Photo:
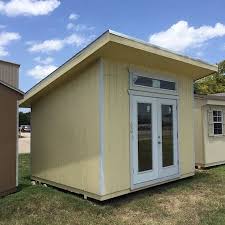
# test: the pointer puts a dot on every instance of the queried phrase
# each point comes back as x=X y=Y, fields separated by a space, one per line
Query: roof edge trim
x=12 y=88
x=160 y=48
x=8 y=62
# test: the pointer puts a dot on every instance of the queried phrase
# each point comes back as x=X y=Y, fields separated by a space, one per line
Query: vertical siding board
x=65 y=137
x=199 y=131
x=8 y=133
x=101 y=99
x=9 y=73
x=117 y=175
x=186 y=116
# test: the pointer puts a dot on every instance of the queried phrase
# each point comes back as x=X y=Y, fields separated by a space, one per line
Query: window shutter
x=210 y=123
x=223 y=121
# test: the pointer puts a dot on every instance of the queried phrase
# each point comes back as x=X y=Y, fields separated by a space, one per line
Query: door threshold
x=159 y=181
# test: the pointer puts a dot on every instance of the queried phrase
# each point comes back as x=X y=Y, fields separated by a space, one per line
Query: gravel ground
x=24 y=143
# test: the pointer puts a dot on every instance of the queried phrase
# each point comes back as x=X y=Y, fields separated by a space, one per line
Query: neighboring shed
x=209 y=130
x=115 y=118
x=9 y=96
x=9 y=73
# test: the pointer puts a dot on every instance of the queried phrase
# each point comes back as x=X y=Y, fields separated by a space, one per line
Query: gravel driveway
x=24 y=143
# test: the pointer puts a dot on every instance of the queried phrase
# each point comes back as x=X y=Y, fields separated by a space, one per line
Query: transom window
x=217 y=122
x=154 y=83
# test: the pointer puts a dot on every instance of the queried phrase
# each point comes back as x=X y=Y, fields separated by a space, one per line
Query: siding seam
x=101 y=126
x=193 y=116
x=17 y=150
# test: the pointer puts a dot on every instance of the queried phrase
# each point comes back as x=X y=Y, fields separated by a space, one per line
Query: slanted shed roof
x=124 y=48
x=11 y=88
x=7 y=62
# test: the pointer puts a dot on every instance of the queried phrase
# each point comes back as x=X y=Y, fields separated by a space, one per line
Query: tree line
x=24 y=118
x=212 y=84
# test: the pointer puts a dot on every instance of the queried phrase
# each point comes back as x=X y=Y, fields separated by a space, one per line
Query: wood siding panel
x=198 y=131
x=9 y=73
x=186 y=125
x=65 y=133
x=116 y=161
x=8 y=139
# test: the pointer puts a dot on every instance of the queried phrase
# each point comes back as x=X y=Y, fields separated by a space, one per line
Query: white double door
x=154 y=139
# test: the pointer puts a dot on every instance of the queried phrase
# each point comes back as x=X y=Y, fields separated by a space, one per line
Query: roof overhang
x=11 y=63
x=12 y=88
x=121 y=48
x=211 y=99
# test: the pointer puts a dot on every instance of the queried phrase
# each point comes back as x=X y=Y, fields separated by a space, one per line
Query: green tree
x=212 y=84
x=24 y=118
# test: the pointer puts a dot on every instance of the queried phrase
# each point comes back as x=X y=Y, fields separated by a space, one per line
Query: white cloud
x=181 y=36
x=41 y=71
x=76 y=40
x=44 y=61
x=70 y=26
x=83 y=27
x=73 y=16
x=28 y=7
x=48 y=46
x=5 y=39
x=3 y=52
x=79 y=27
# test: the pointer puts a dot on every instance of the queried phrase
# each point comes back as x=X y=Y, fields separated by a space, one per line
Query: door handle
x=159 y=140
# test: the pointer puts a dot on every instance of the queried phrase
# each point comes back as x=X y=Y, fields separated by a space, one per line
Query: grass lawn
x=197 y=200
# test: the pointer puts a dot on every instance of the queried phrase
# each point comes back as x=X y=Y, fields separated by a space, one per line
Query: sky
x=41 y=35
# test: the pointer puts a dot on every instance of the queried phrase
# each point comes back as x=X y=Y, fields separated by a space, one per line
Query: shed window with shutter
x=217 y=122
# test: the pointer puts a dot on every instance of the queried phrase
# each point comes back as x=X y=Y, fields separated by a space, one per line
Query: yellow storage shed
x=209 y=130
x=115 y=118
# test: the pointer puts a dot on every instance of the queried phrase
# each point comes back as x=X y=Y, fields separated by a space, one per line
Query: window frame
x=153 y=76
x=218 y=122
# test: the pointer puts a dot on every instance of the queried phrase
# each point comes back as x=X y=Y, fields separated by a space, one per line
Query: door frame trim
x=155 y=182
x=153 y=95
x=167 y=178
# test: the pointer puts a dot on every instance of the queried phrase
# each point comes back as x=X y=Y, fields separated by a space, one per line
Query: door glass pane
x=144 y=137
x=167 y=85
x=151 y=82
x=167 y=135
x=143 y=81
